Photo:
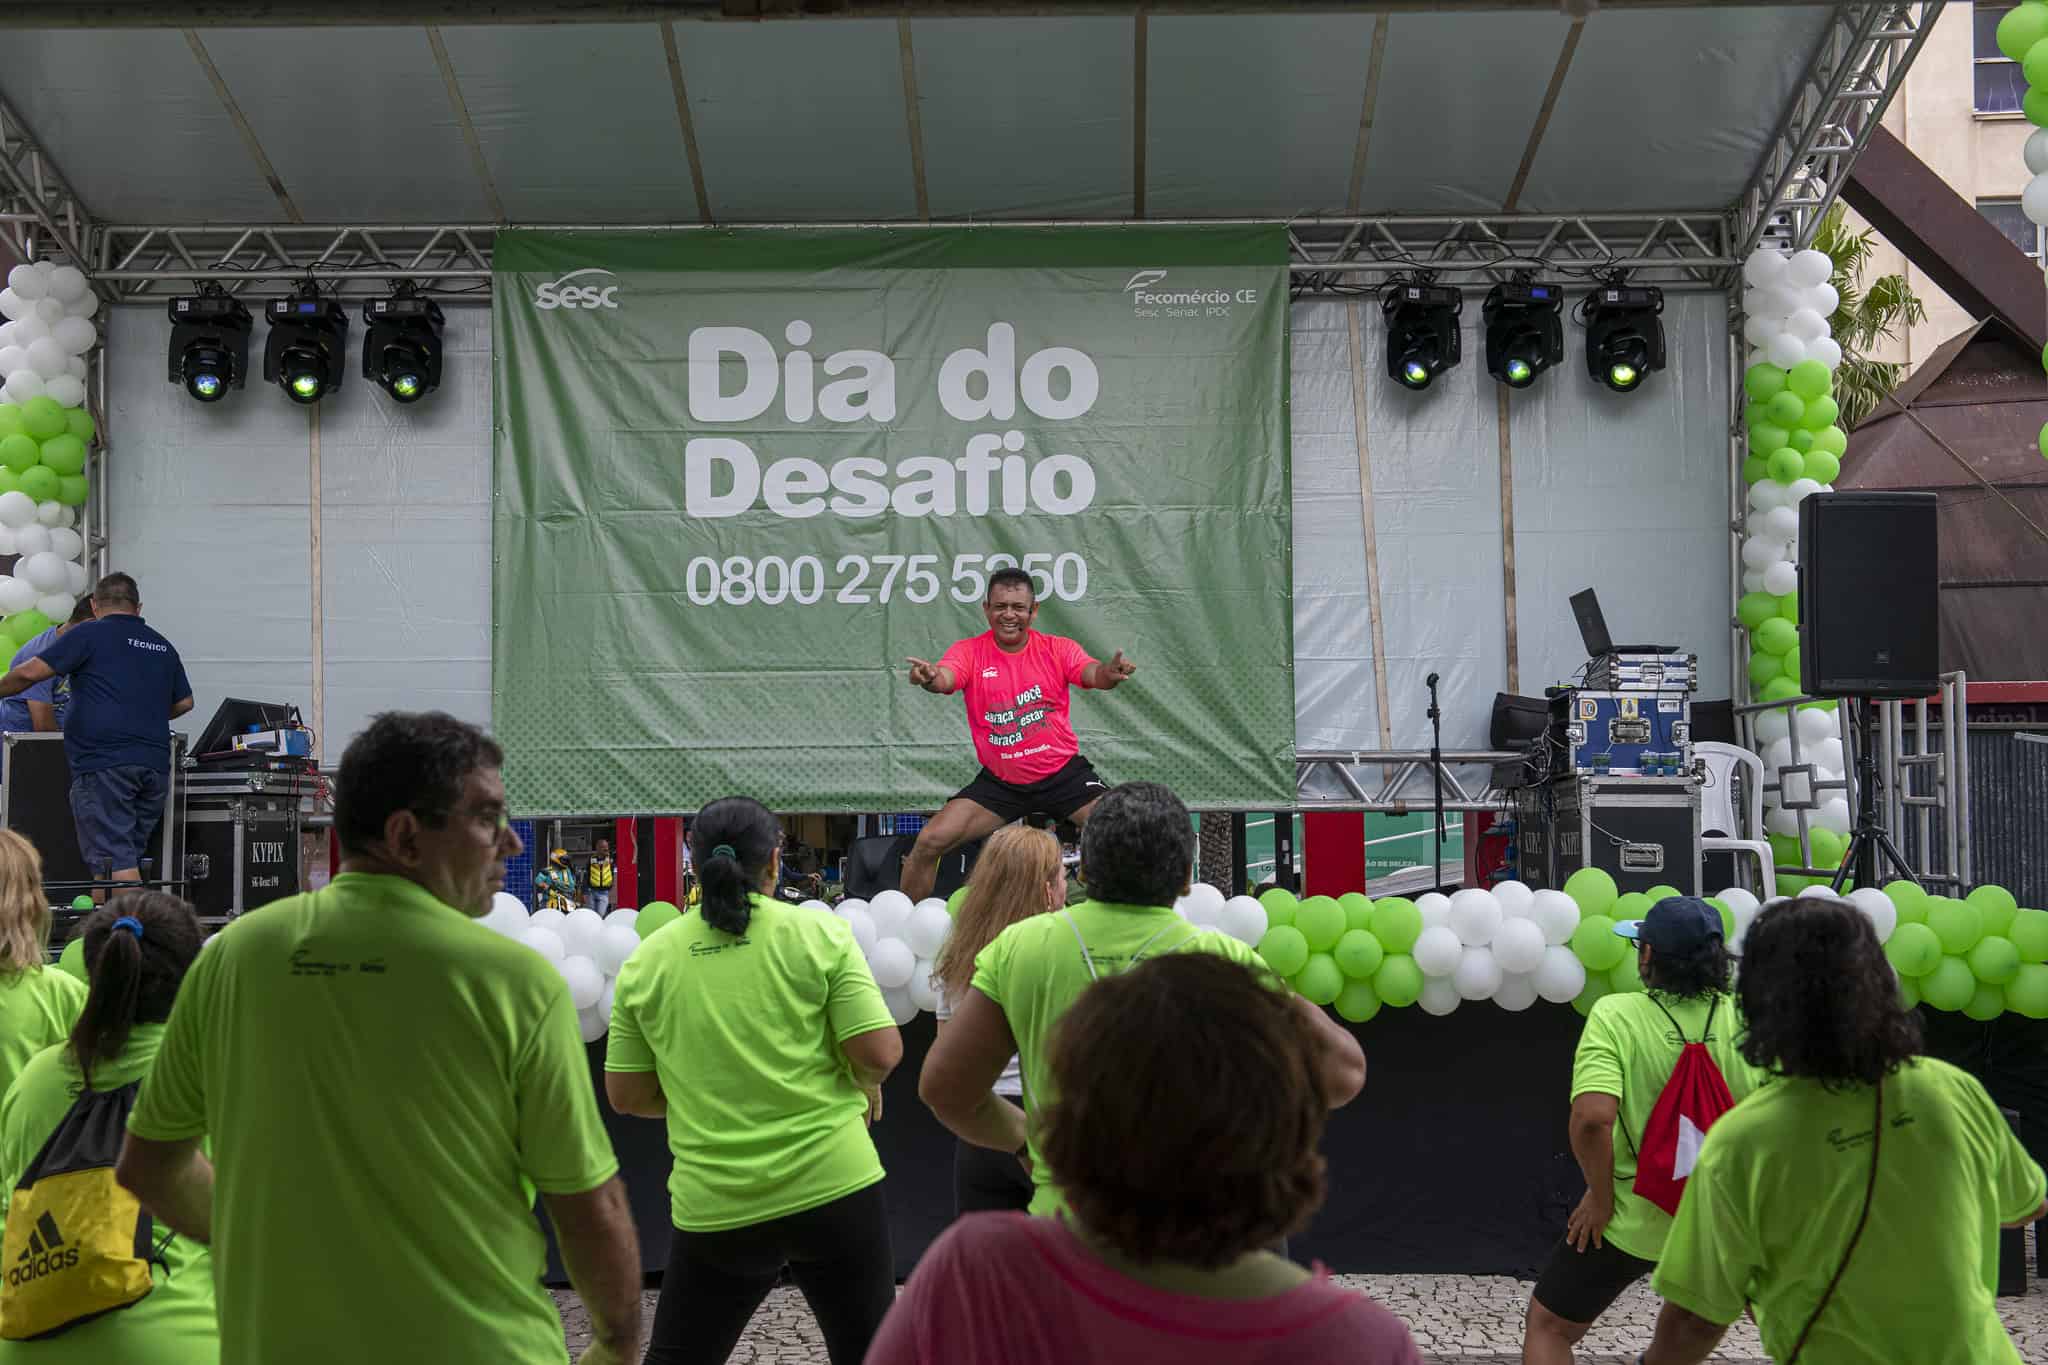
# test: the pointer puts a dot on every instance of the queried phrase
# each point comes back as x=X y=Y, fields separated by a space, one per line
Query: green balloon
x=1949 y=986
x=1800 y=439
x=1756 y=469
x=1767 y=437
x=2034 y=65
x=26 y=625
x=1777 y=636
x=71 y=491
x=1913 y=948
x=42 y=418
x=1763 y=381
x=953 y=902
x=1808 y=379
x=1994 y=960
x=1662 y=892
x=79 y=423
x=1396 y=923
x=1788 y=607
x=2021 y=28
x=2028 y=993
x=1727 y=915
x=1822 y=466
x=2029 y=934
x=81 y=903
x=1792 y=663
x=1597 y=944
x=1956 y=923
x=1787 y=409
x=1358 y=1002
x=1755 y=415
x=1909 y=900
x=1284 y=949
x=1357 y=910
x=1791 y=884
x=19 y=452
x=1996 y=905
x=1828 y=847
x=41 y=482
x=1398 y=981
x=1833 y=440
x=1755 y=608
x=1909 y=992
x=2035 y=106
x=1786 y=464
x=1321 y=921
x=1634 y=905
x=1820 y=413
x=1321 y=980
x=10 y=481
x=1764 y=667
x=1779 y=688
x=1986 y=1003
x=1596 y=987
x=64 y=453
x=1358 y=954
x=652 y=917
x=1280 y=906
x=72 y=960
x=1593 y=889
x=1623 y=978
x=10 y=420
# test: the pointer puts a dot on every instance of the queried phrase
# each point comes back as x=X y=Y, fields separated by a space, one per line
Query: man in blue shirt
x=127 y=685
x=42 y=706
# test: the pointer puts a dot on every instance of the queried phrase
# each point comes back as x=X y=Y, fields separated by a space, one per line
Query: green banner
x=741 y=475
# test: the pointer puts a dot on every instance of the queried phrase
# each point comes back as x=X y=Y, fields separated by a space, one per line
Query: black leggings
x=985 y=1180
x=838 y=1253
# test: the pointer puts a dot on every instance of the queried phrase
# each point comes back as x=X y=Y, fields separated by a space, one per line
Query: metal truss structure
x=1399 y=786
x=40 y=217
x=1861 y=63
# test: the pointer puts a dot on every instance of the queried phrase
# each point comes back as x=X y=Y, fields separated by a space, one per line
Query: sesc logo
x=562 y=294
x=1144 y=279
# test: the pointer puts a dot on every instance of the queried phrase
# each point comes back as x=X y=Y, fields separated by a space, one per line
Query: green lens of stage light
x=206 y=385
x=1623 y=376
x=1415 y=374
x=1519 y=372
x=305 y=387
x=405 y=387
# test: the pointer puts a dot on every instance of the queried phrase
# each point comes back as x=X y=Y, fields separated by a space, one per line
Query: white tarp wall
x=213 y=512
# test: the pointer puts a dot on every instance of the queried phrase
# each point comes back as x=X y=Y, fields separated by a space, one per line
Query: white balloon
x=45 y=572
x=1832 y=816
x=901 y=1007
x=1777 y=754
x=1760 y=552
x=22 y=385
x=1752 y=580
x=1815 y=726
x=17 y=509
x=1435 y=907
x=1437 y=950
x=863 y=926
x=507 y=915
x=68 y=392
x=1475 y=915
x=1753 y=357
x=1770 y=493
x=929 y=924
x=1777 y=301
x=30 y=328
x=84 y=306
x=46 y=358
x=1807 y=269
x=14 y=307
x=8 y=337
x=923 y=991
x=1556 y=914
x=1807 y=325
x=586 y=982
x=68 y=282
x=625 y=915
x=1200 y=912
x=615 y=943
x=1514 y=897
x=1439 y=996
x=816 y=906
x=1781 y=578
x=2033 y=203
x=1778 y=820
x=1477 y=975
x=13 y=360
x=27 y=282
x=75 y=336
x=57 y=606
x=1764 y=267
x=1781 y=524
x=1560 y=976
x=1758 y=330
x=54 y=515
x=1517 y=991
x=592 y=1024
x=1827 y=351
x=1243 y=918
x=75 y=367
x=49 y=310
x=2036 y=151
x=607 y=1000
x=580 y=930
x=1822 y=892
x=1208 y=899
x=1518 y=946
x=548 y=919
x=1824 y=299
x=16 y=594
x=892 y=962
x=846 y=907
x=76 y=582
x=1826 y=753
x=1737 y=899
x=1877 y=907
x=34 y=539
x=1785 y=350
x=891 y=910
x=544 y=941
x=1772 y=725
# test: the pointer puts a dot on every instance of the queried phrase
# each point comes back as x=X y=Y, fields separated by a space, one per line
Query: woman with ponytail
x=754 y=1028
x=37 y=1004
x=137 y=950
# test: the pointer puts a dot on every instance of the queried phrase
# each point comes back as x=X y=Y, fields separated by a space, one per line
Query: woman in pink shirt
x=1185 y=1140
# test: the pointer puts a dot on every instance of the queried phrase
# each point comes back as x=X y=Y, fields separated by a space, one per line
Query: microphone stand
x=1436 y=780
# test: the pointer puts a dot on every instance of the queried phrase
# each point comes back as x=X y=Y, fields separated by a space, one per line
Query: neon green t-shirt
x=764 y=1118
x=378 y=1074
x=174 y=1323
x=1628 y=1050
x=1775 y=1196
x=1036 y=969
x=37 y=1009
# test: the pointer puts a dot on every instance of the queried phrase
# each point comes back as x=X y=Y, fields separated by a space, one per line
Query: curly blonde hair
x=1010 y=879
x=24 y=909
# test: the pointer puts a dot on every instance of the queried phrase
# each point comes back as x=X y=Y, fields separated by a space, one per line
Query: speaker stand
x=1869 y=838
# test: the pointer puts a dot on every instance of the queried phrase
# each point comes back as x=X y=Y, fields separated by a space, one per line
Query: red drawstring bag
x=1696 y=1095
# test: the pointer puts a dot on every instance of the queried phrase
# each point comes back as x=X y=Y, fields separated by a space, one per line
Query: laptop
x=1593 y=630
x=235 y=717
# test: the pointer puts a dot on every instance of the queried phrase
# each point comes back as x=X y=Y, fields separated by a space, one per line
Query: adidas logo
x=45 y=1254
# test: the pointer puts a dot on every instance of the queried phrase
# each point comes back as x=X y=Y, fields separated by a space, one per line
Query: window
x=2006 y=216
x=2000 y=84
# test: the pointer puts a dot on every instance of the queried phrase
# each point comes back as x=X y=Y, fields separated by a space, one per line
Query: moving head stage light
x=1524 y=331
x=402 y=346
x=1624 y=339
x=209 y=343
x=1422 y=331
x=308 y=342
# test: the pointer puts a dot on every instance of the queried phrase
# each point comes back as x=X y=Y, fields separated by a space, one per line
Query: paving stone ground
x=1456 y=1320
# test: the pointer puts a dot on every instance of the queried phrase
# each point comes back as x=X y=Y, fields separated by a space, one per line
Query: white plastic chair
x=1717 y=808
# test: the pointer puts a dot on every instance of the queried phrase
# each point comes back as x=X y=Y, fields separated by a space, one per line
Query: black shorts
x=1579 y=1286
x=1059 y=795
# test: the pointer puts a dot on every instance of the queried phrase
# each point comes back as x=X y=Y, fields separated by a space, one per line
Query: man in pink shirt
x=1016 y=680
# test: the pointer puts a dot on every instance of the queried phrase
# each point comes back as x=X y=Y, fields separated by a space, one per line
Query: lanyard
x=1094 y=975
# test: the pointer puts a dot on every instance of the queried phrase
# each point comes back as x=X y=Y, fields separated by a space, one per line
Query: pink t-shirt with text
x=1010 y=1289
x=1017 y=703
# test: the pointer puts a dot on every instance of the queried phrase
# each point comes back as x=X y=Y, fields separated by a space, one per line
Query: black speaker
x=875 y=864
x=1869 y=595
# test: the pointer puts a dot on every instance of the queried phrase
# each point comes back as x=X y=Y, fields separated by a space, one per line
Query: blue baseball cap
x=1678 y=925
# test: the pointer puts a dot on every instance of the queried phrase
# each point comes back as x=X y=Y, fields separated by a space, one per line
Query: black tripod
x=1436 y=781
x=1869 y=838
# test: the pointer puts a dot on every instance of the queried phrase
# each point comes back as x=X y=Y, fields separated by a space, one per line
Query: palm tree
x=1866 y=315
